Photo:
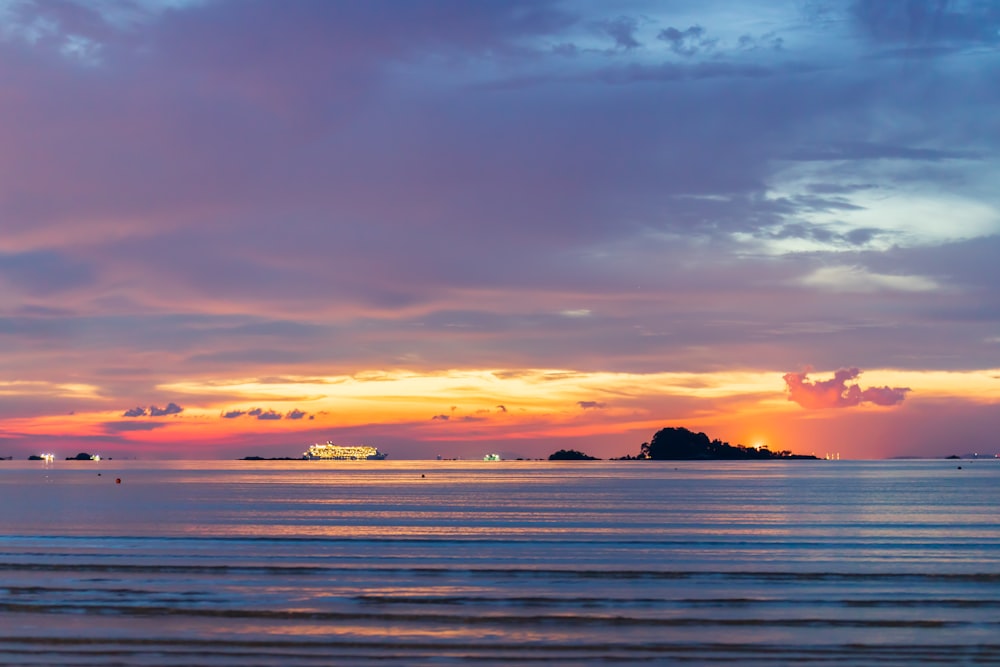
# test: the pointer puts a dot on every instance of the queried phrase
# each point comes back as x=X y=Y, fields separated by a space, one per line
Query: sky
x=450 y=228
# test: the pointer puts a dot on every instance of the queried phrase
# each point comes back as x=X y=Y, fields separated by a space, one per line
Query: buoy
x=118 y=480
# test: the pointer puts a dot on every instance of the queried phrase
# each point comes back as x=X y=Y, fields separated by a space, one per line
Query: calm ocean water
x=412 y=563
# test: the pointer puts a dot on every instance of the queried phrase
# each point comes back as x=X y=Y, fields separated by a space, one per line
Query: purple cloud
x=44 y=272
x=170 y=409
x=153 y=411
x=131 y=427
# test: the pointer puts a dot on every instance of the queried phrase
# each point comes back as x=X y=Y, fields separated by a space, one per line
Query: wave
x=304 y=651
x=530 y=620
x=525 y=571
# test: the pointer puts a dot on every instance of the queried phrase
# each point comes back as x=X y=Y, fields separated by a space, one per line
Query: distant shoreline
x=271 y=458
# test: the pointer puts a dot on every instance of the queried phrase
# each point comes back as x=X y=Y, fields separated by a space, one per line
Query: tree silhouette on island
x=571 y=455
x=680 y=444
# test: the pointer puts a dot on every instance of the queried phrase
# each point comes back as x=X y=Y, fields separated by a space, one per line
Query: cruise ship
x=331 y=452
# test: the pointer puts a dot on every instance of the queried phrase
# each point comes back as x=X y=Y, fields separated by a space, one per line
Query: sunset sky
x=452 y=228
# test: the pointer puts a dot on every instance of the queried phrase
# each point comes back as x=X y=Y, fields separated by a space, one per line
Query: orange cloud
x=836 y=393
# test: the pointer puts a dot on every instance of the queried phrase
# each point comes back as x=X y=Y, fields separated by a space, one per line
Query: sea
x=297 y=563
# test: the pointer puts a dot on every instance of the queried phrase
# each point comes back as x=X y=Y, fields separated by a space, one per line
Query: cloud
x=836 y=393
x=42 y=273
x=622 y=30
x=864 y=150
x=591 y=405
x=443 y=418
x=768 y=41
x=171 y=409
x=153 y=411
x=266 y=415
x=82 y=49
x=502 y=408
x=686 y=42
x=859 y=279
x=119 y=427
x=928 y=21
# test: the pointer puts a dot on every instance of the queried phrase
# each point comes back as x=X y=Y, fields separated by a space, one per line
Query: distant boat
x=328 y=451
x=492 y=457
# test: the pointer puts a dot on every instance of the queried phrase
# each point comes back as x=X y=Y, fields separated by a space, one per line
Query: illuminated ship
x=331 y=452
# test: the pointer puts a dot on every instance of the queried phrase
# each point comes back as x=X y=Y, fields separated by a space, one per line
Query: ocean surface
x=500 y=563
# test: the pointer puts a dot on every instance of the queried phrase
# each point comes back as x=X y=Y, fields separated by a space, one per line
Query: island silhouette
x=570 y=455
x=680 y=444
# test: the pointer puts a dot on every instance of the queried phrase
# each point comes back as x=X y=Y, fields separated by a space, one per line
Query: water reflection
x=492 y=563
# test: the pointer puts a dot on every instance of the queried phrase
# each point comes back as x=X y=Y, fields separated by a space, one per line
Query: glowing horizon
x=489 y=405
